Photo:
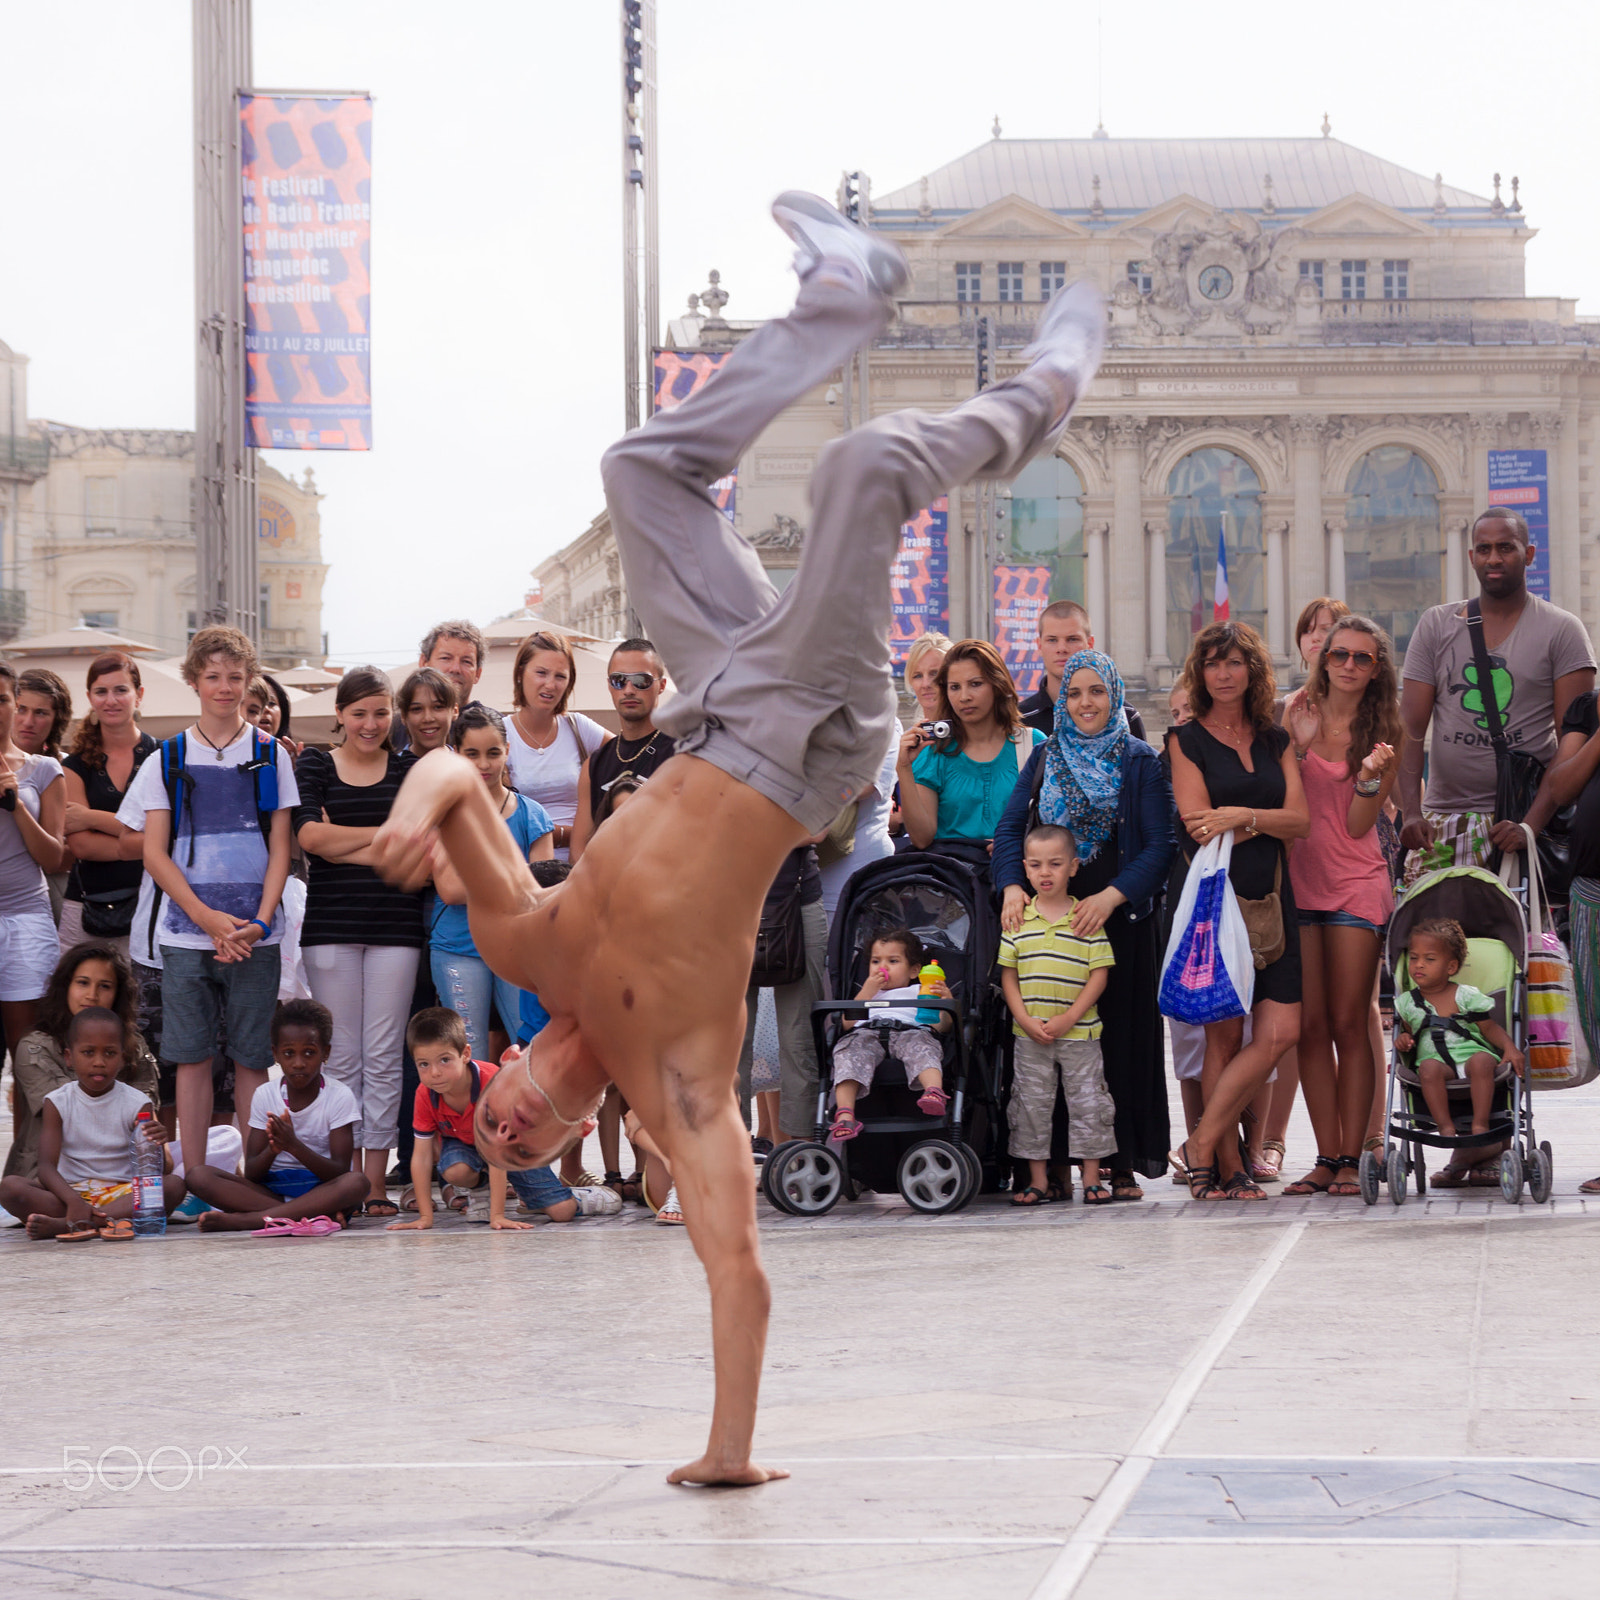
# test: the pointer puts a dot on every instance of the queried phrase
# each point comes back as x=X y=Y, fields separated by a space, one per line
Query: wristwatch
x=1366 y=789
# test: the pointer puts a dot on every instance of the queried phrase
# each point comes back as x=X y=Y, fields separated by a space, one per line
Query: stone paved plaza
x=1302 y=1398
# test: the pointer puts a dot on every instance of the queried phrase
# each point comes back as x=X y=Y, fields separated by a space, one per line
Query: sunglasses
x=1361 y=658
x=630 y=680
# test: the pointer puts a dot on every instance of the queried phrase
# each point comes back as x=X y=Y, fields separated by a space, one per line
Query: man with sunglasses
x=783 y=710
x=1540 y=661
x=635 y=677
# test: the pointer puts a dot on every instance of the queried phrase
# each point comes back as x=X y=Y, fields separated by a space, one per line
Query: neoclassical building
x=1313 y=356
x=107 y=537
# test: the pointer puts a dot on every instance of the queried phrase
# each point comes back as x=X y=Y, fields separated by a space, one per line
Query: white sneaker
x=822 y=233
x=477 y=1205
x=598 y=1201
x=1069 y=341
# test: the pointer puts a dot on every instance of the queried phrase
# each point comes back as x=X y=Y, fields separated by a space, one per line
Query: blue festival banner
x=306 y=212
x=1020 y=594
x=677 y=374
x=919 y=580
x=1520 y=479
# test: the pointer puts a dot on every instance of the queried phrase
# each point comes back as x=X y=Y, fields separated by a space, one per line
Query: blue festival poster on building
x=1520 y=479
x=1020 y=594
x=919 y=580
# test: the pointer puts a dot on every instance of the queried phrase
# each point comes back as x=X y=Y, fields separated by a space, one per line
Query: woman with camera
x=956 y=770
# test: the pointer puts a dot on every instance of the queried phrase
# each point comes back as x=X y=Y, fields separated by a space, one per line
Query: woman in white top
x=549 y=744
x=33 y=812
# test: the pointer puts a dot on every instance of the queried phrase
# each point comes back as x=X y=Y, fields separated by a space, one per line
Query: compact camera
x=934 y=730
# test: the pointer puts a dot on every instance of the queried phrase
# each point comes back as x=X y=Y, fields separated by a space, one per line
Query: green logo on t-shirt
x=1504 y=686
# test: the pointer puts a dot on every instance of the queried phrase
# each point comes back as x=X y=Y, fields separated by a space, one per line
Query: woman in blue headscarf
x=1095 y=778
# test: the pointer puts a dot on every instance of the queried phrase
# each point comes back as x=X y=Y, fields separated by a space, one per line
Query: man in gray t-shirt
x=1540 y=659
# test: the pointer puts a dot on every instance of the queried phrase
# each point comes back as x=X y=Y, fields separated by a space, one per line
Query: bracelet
x=1369 y=788
x=265 y=927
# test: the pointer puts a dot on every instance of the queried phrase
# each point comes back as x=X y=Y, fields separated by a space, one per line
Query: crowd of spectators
x=196 y=926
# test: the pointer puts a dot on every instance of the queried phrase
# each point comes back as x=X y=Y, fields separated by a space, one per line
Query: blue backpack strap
x=263 y=769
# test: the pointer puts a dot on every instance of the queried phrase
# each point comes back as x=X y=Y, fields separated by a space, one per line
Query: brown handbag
x=1263 y=920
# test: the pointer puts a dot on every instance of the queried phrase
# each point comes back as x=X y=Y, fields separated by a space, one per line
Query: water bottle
x=928 y=1016
x=149 y=1201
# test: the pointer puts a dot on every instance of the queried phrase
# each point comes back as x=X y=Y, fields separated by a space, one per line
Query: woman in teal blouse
x=957 y=787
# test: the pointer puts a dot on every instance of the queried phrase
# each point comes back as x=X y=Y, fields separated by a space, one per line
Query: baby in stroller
x=892 y=970
x=1449 y=1025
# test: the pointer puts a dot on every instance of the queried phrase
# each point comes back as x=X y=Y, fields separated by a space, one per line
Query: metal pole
x=226 y=585
x=652 y=214
x=632 y=179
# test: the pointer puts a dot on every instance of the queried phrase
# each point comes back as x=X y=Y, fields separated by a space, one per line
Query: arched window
x=1393 y=541
x=1216 y=499
x=1047 y=525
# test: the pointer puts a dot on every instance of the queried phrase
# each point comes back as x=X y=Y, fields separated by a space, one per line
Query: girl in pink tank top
x=1346 y=729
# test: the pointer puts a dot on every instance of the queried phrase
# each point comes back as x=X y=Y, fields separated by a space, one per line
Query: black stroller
x=936 y=1163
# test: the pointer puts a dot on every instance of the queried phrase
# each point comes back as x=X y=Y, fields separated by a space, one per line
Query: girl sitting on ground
x=84 y=1185
x=89 y=974
x=302 y=1139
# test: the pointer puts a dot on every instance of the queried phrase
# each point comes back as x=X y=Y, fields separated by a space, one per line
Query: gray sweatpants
x=793 y=694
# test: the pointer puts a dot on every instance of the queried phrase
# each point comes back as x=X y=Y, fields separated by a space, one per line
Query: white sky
x=496 y=281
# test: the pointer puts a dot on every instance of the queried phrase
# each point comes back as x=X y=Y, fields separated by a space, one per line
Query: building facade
x=107 y=538
x=22 y=464
x=1313 y=355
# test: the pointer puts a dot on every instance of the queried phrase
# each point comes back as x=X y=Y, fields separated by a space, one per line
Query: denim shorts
x=1337 y=919
x=197 y=990
x=538 y=1188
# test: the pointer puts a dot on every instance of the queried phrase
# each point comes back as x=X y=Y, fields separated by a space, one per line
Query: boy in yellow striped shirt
x=1052 y=978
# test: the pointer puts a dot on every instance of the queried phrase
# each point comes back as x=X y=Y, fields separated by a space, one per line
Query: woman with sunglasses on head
x=549 y=745
x=1347 y=737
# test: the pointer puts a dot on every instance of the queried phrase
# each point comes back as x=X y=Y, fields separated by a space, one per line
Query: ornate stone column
x=1277 y=602
x=1455 y=557
x=1307 y=557
x=1155 y=544
x=1096 y=537
x=1125 y=612
x=1485 y=427
x=1334 y=528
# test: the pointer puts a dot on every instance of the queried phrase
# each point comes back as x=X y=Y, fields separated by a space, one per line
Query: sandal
x=636 y=1185
x=613 y=1181
x=1096 y=1194
x=376 y=1208
x=80 y=1234
x=118 y=1228
x=932 y=1102
x=1124 y=1186
x=845 y=1125
x=1202 y=1181
x=1267 y=1170
x=455 y=1199
x=1343 y=1188
x=671 y=1211
x=1241 y=1186
x=408 y=1197
x=1308 y=1185
x=1040 y=1198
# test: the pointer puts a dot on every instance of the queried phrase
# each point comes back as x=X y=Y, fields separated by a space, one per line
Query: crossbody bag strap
x=1480 y=659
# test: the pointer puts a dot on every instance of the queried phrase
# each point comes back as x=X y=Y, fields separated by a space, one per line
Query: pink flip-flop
x=301 y=1228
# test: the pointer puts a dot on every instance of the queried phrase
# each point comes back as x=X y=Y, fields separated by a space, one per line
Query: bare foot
x=706 y=1471
x=39 y=1226
x=230 y=1221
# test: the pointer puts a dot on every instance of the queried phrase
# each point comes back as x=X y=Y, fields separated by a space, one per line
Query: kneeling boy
x=447 y=1098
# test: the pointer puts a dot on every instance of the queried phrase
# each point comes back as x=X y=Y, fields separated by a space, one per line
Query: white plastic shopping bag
x=292 y=981
x=1208 y=973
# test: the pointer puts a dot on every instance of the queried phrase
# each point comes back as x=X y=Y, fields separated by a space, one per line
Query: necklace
x=219 y=748
x=627 y=756
x=1237 y=738
x=527 y=1067
x=528 y=738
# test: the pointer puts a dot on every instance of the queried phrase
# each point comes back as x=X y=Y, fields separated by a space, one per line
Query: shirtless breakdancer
x=783 y=711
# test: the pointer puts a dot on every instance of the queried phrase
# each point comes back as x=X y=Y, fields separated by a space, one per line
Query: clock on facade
x=1216 y=282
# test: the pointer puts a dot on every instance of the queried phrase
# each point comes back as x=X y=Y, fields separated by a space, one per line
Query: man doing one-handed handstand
x=783 y=710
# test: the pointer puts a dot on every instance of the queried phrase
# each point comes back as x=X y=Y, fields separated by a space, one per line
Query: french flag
x=1219 y=599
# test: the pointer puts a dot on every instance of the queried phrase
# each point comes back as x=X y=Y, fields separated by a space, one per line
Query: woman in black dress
x=1233 y=768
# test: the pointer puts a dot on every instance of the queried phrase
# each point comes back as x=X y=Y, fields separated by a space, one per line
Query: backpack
x=179 y=784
